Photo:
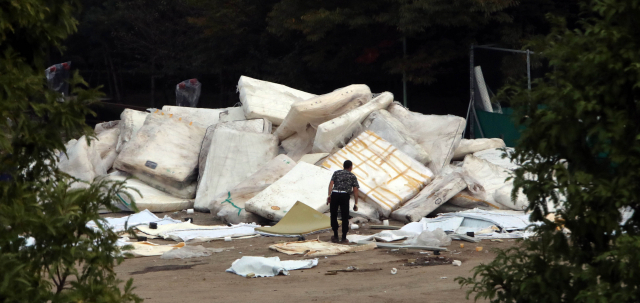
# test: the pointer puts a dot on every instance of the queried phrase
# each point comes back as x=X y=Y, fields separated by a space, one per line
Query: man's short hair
x=347 y=164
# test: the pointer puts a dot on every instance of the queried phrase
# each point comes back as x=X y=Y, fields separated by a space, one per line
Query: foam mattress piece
x=470 y=146
x=315 y=111
x=313 y=158
x=272 y=101
x=164 y=154
x=305 y=183
x=233 y=156
x=105 y=145
x=205 y=117
x=438 y=135
x=230 y=206
x=130 y=122
x=81 y=160
x=100 y=127
x=232 y=114
x=393 y=131
x=301 y=219
x=494 y=155
x=436 y=193
x=387 y=176
x=260 y=126
x=299 y=144
x=148 y=197
x=492 y=177
x=336 y=132
x=469 y=200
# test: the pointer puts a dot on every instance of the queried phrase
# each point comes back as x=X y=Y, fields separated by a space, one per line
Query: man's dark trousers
x=340 y=200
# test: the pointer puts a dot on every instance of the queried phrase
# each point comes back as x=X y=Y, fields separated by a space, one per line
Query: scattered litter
x=268 y=267
x=394 y=271
x=187 y=252
x=227 y=239
x=147 y=249
x=317 y=248
x=442 y=278
x=497 y=240
x=190 y=211
x=461 y=245
x=479 y=248
x=385 y=222
x=456 y=263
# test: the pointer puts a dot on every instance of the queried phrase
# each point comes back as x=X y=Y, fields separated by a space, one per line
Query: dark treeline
x=140 y=49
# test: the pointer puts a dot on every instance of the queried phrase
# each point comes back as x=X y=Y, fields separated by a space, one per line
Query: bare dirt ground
x=205 y=280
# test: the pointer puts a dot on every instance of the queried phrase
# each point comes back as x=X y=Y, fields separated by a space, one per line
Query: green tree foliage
x=66 y=261
x=582 y=141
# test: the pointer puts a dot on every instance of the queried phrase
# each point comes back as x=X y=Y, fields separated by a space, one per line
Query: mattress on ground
x=164 y=154
x=147 y=197
x=230 y=206
x=233 y=156
x=386 y=175
x=335 y=133
x=305 y=183
x=299 y=220
x=272 y=101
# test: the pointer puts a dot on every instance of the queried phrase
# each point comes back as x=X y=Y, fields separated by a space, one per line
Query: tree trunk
x=106 y=66
x=115 y=80
x=153 y=83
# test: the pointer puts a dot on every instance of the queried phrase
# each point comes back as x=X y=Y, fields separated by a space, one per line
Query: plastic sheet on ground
x=130 y=122
x=470 y=146
x=192 y=251
x=260 y=126
x=267 y=267
x=315 y=111
x=384 y=236
x=387 y=176
x=335 y=133
x=205 y=235
x=272 y=101
x=161 y=231
x=147 y=197
x=435 y=237
x=230 y=206
x=148 y=249
x=164 y=154
x=494 y=156
x=438 y=135
x=232 y=157
x=393 y=131
x=436 y=193
x=299 y=220
x=305 y=183
x=477 y=219
x=141 y=218
x=317 y=248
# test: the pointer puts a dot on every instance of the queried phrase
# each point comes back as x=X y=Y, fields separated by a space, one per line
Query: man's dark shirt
x=345 y=181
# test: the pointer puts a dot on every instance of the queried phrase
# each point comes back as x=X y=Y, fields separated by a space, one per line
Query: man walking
x=343 y=184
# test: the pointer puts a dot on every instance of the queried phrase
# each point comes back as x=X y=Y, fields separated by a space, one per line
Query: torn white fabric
x=268 y=267
x=143 y=217
x=204 y=235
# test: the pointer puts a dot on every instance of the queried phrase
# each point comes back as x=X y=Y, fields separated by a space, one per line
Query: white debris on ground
x=251 y=164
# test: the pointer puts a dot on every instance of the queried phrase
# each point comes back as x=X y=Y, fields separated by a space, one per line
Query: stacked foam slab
x=492 y=177
x=470 y=146
x=130 y=122
x=386 y=175
x=81 y=161
x=334 y=133
x=438 y=135
x=233 y=156
x=262 y=99
x=203 y=116
x=164 y=154
x=393 y=131
x=317 y=110
x=230 y=206
x=259 y=126
x=105 y=145
x=305 y=183
x=147 y=197
x=435 y=194
x=232 y=114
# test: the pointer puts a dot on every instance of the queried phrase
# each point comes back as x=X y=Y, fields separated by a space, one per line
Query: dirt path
x=205 y=280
